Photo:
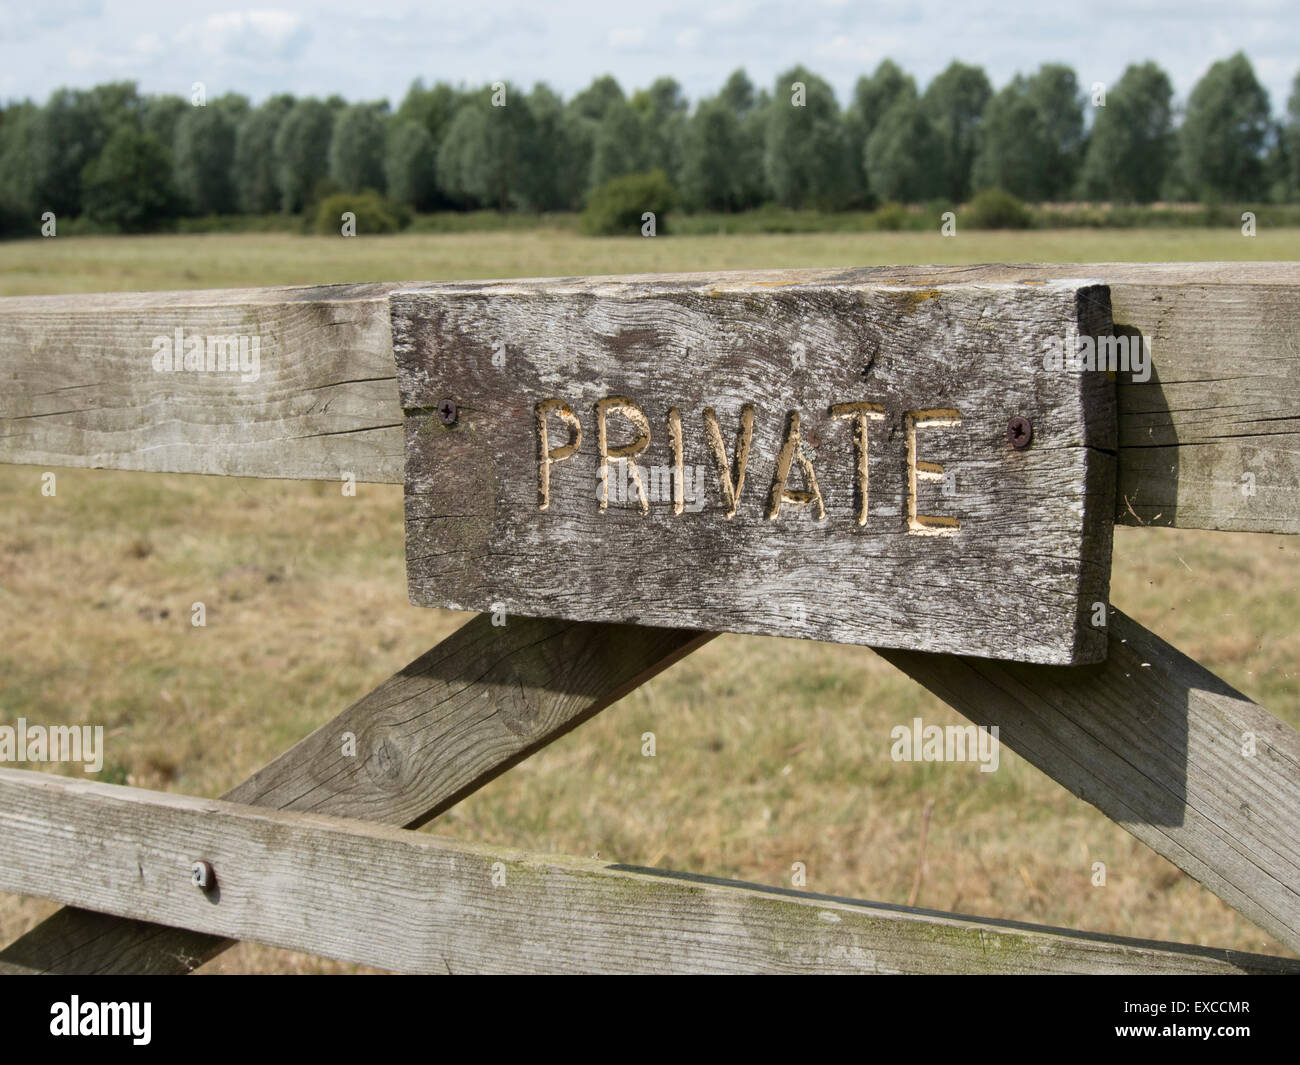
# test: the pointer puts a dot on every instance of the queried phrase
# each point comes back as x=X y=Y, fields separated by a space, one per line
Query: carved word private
x=731 y=472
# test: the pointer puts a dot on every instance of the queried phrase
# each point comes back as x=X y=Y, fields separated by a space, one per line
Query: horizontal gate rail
x=410 y=901
x=80 y=387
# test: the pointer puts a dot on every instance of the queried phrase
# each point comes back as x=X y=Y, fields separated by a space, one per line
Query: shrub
x=374 y=214
x=997 y=209
x=616 y=207
x=890 y=216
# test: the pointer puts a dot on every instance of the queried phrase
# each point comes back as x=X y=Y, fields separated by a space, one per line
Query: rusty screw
x=202 y=876
x=447 y=412
x=1020 y=433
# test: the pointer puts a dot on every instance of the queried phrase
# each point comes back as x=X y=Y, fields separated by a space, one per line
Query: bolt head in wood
x=202 y=876
x=447 y=412
x=1020 y=433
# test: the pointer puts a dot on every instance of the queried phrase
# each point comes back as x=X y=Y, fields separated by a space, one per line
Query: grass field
x=770 y=751
x=104 y=264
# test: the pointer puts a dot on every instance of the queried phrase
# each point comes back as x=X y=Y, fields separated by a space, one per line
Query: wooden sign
x=830 y=458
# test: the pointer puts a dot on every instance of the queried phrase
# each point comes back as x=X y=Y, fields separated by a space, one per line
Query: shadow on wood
x=1158 y=744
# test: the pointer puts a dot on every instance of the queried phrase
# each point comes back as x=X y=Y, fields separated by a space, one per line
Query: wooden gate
x=544 y=432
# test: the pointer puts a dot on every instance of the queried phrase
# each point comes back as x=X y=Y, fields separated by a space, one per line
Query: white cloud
x=866 y=49
x=734 y=12
x=23 y=21
x=622 y=39
x=251 y=35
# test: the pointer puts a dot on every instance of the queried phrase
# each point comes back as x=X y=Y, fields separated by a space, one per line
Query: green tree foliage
x=1030 y=139
x=584 y=114
x=597 y=98
x=663 y=109
x=160 y=117
x=738 y=94
x=553 y=181
x=18 y=175
x=357 y=148
x=617 y=208
x=621 y=144
x=1291 y=141
x=484 y=158
x=1054 y=91
x=954 y=102
x=257 y=188
x=449 y=147
x=433 y=108
x=1225 y=132
x=14 y=220
x=722 y=149
x=873 y=96
x=806 y=154
x=203 y=160
x=17 y=210
x=68 y=132
x=233 y=105
x=1009 y=145
x=711 y=178
x=904 y=155
x=116 y=102
x=1277 y=165
x=752 y=109
x=410 y=162
x=301 y=152
x=128 y=184
x=1132 y=143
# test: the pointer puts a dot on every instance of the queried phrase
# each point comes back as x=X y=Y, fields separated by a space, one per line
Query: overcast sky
x=374 y=48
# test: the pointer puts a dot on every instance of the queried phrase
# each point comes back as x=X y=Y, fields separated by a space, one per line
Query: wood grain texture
x=514 y=505
x=1157 y=743
x=480 y=702
x=415 y=903
x=1224 y=399
x=78 y=386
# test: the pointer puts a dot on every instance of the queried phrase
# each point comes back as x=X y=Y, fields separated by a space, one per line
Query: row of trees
x=136 y=161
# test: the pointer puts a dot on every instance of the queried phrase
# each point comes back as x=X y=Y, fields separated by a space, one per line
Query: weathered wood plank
x=481 y=701
x=1159 y=745
x=763 y=457
x=79 y=385
x=415 y=903
x=1223 y=401
x=1210 y=441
